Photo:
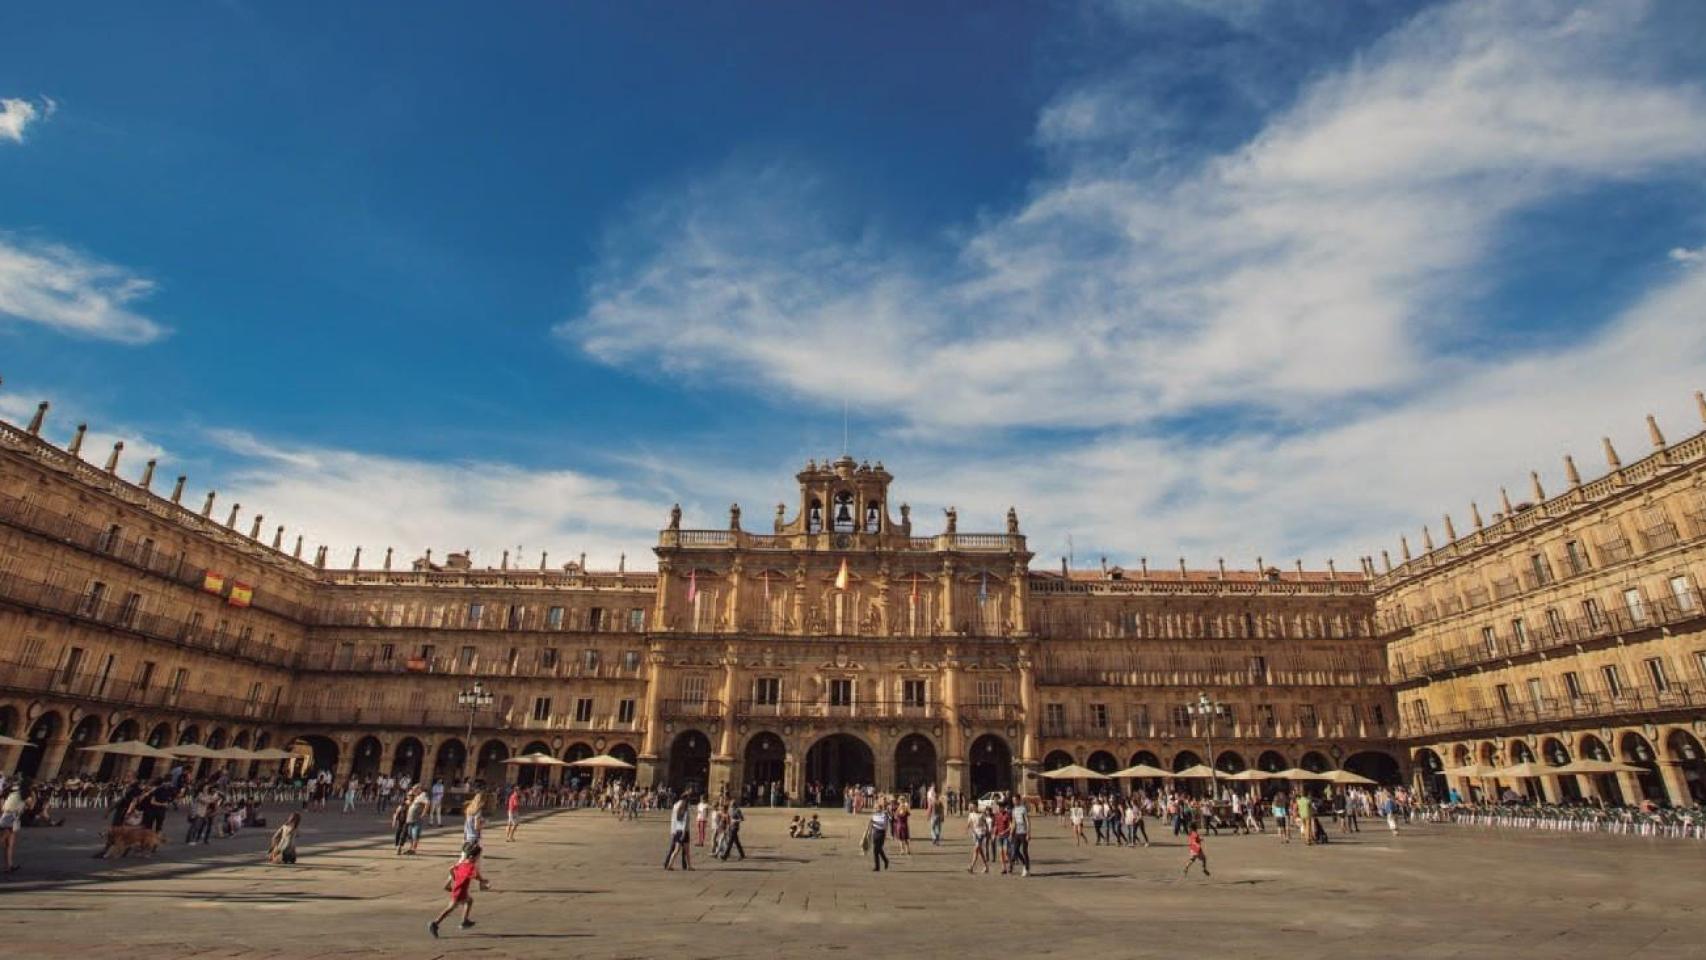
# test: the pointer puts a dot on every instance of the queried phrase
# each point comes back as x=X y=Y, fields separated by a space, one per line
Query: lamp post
x=1208 y=710
x=472 y=699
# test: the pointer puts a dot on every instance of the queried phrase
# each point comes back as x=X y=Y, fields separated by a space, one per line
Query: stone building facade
x=837 y=646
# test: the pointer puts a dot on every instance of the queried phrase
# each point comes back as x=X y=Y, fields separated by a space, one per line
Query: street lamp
x=472 y=699
x=1208 y=710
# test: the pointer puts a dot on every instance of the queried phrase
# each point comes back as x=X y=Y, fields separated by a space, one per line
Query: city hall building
x=841 y=642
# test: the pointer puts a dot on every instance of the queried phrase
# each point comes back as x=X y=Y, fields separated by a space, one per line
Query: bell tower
x=843 y=497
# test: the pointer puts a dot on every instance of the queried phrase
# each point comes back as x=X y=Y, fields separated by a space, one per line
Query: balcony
x=50 y=682
x=819 y=709
x=449 y=718
x=565 y=668
x=44 y=598
x=689 y=709
x=1630 y=702
x=1659 y=536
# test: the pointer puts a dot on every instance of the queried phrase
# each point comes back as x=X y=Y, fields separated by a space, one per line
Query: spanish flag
x=213 y=582
x=841 y=576
x=242 y=594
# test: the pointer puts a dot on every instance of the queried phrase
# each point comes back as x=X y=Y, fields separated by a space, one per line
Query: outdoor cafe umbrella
x=1199 y=772
x=1596 y=767
x=536 y=760
x=1298 y=773
x=1251 y=774
x=1350 y=779
x=6 y=741
x=195 y=750
x=1073 y=771
x=1473 y=771
x=1142 y=771
x=271 y=753
x=603 y=761
x=129 y=748
x=1524 y=771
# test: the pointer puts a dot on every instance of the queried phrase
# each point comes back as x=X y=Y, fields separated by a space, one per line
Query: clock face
x=843 y=541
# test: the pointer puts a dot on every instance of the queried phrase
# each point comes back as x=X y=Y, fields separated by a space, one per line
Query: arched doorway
x=490 y=764
x=450 y=762
x=1591 y=747
x=1184 y=760
x=838 y=762
x=1057 y=759
x=914 y=765
x=87 y=733
x=627 y=754
x=367 y=756
x=690 y=762
x=190 y=734
x=160 y=736
x=314 y=754
x=112 y=763
x=527 y=775
x=46 y=727
x=1378 y=766
x=1272 y=761
x=991 y=765
x=1638 y=752
x=406 y=759
x=1685 y=751
x=1434 y=785
x=1102 y=762
x=1315 y=762
x=1230 y=761
x=216 y=739
x=762 y=767
x=1146 y=758
x=577 y=776
x=1554 y=754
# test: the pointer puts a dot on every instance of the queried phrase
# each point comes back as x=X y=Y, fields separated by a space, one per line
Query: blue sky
x=1214 y=279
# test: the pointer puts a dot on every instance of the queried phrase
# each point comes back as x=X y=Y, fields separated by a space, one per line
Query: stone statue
x=781 y=512
x=953 y=519
x=1012 y=521
x=734 y=516
x=675 y=517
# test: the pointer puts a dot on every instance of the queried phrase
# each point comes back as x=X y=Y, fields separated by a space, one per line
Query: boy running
x=460 y=884
x=1197 y=855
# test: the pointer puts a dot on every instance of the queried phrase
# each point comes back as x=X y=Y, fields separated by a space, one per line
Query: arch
x=1378 y=765
x=914 y=764
x=1185 y=759
x=216 y=739
x=1430 y=768
x=1520 y=752
x=1146 y=757
x=1102 y=762
x=489 y=766
x=1460 y=755
x=627 y=754
x=1230 y=761
x=1487 y=754
x=241 y=740
x=528 y=776
x=263 y=740
x=46 y=727
x=690 y=762
x=314 y=753
x=1057 y=759
x=1272 y=761
x=840 y=761
x=1638 y=752
x=991 y=765
x=579 y=750
x=9 y=721
x=190 y=734
x=450 y=761
x=1590 y=747
x=764 y=764
x=368 y=754
x=1315 y=762
x=1553 y=751
x=1684 y=749
x=111 y=764
x=406 y=759
x=159 y=736
x=87 y=733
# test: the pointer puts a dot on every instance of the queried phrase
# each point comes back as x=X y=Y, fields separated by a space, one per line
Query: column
x=346 y=762
x=1631 y=788
x=9 y=757
x=884 y=763
x=1676 y=784
x=647 y=773
x=1550 y=790
x=1589 y=789
x=429 y=761
x=948 y=596
x=1028 y=707
x=53 y=754
x=953 y=740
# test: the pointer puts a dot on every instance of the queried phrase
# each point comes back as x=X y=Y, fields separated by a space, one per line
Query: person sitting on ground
x=814 y=829
x=794 y=826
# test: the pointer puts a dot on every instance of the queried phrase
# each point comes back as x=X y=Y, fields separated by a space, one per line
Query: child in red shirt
x=1197 y=856
x=462 y=878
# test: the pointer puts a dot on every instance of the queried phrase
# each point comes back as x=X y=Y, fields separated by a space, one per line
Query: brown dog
x=126 y=839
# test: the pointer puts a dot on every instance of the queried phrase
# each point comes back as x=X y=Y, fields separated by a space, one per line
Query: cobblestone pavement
x=579 y=884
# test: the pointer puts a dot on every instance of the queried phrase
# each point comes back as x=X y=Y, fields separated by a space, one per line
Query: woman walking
x=1077 y=816
x=878 y=831
x=977 y=825
x=938 y=814
x=282 y=849
x=11 y=821
x=903 y=827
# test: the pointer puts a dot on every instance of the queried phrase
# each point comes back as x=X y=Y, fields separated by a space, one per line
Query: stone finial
x=76 y=448
x=231 y=521
x=147 y=475
x=734 y=516
x=1612 y=460
x=112 y=458
x=1699 y=404
x=542 y=556
x=207 y=506
x=178 y=489
x=1299 y=564
x=278 y=537
x=41 y=414
x=297 y=553
x=622 y=562
x=583 y=561
x=1105 y=566
x=1475 y=514
x=1221 y=563
x=1386 y=561
x=1332 y=571
x=387 y=565
x=1450 y=531
x=1144 y=563
x=1065 y=572
x=355 y=564
x=1571 y=473
x=1505 y=502
x=1404 y=546
x=320 y=558
x=1182 y=571
x=255 y=528
x=1539 y=491
x=1427 y=538
x=503 y=564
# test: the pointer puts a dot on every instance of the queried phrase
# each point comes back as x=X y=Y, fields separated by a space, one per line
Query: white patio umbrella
x=603 y=761
x=1073 y=771
x=130 y=748
x=1141 y=771
x=6 y=741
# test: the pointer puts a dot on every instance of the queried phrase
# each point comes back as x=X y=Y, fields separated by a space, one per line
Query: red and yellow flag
x=242 y=594
x=213 y=582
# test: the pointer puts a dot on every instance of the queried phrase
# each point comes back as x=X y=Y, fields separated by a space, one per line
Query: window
x=693 y=688
x=1613 y=682
x=1099 y=716
x=631 y=660
x=548 y=658
x=92 y=600
x=127 y=612
x=1306 y=716
x=144 y=675
x=1572 y=686
x=73 y=660
x=145 y=556
x=1632 y=602
x=554 y=618
x=1489 y=639
x=1656 y=673
x=595 y=619
x=517 y=613
x=637 y=620
x=476 y=612
x=989 y=693
x=427 y=651
x=1503 y=691
x=1575 y=556
x=1181 y=717
x=625 y=711
x=841 y=693
x=1377 y=713
x=583 y=710
x=912 y=693
x=589 y=659
x=1266 y=712
x=1519 y=633
x=180 y=677
x=541 y=708
x=1419 y=710
x=466 y=659
x=1542 y=570
x=843 y=518
x=387 y=652
x=767 y=690
x=1700 y=663
x=255 y=693
x=1258 y=669
x=1554 y=623
x=110 y=540
x=1684 y=596
x=106 y=674
x=1054 y=718
x=1536 y=692
x=1595 y=616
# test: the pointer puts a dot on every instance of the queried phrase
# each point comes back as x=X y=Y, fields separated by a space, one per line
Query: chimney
x=207 y=508
x=1653 y=433
x=178 y=489
x=112 y=458
x=147 y=475
x=1611 y=458
x=41 y=414
x=76 y=448
x=1570 y=472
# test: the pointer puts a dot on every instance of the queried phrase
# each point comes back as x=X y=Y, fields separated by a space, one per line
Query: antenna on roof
x=844 y=430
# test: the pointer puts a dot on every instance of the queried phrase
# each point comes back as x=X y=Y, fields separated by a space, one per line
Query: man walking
x=1021 y=835
x=731 y=841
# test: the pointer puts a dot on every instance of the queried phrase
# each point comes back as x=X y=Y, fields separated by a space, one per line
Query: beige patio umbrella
x=1472 y=771
x=1199 y=772
x=1524 y=770
x=234 y=753
x=130 y=748
x=6 y=741
x=1298 y=773
x=1597 y=767
x=1251 y=774
x=536 y=760
x=603 y=761
x=195 y=750
x=1073 y=771
x=270 y=753
x=1141 y=771
x=1349 y=779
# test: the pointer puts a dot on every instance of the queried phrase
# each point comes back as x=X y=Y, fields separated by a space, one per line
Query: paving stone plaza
x=581 y=884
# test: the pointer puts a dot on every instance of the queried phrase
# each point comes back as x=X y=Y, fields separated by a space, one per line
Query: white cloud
x=64 y=290
x=18 y=405
x=16 y=115
x=1688 y=257
x=1318 y=262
